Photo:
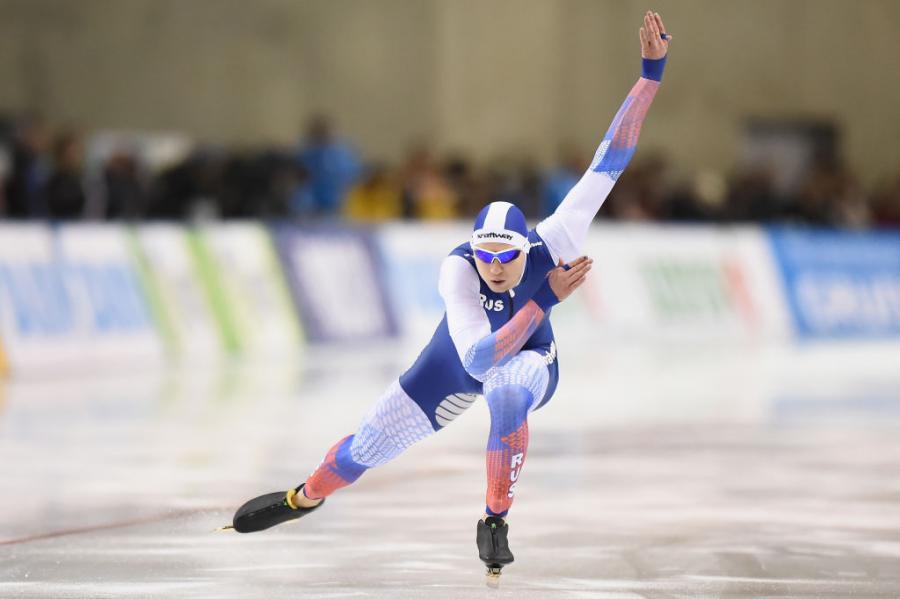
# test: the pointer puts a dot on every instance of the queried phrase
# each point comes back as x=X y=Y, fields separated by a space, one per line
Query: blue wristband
x=653 y=69
x=545 y=298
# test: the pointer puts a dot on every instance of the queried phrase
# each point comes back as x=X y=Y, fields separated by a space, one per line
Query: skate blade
x=227 y=528
x=492 y=576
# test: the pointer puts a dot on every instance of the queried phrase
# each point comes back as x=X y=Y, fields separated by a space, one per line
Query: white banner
x=73 y=299
x=186 y=311
x=253 y=290
x=648 y=283
x=684 y=283
x=413 y=254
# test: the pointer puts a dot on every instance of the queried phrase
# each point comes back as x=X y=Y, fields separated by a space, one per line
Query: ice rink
x=683 y=472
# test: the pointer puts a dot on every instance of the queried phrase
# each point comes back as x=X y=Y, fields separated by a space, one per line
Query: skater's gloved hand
x=566 y=278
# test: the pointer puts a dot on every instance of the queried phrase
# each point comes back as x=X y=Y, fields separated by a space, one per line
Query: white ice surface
x=703 y=473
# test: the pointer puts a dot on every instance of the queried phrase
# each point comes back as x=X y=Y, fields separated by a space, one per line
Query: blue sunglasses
x=503 y=256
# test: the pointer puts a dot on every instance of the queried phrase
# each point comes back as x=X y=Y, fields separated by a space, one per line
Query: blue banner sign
x=843 y=285
x=337 y=281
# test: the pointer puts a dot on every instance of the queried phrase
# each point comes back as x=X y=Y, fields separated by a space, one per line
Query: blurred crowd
x=44 y=174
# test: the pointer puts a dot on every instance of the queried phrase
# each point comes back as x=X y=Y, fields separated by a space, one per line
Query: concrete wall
x=487 y=76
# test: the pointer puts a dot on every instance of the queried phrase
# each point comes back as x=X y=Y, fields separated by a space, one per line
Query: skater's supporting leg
x=511 y=391
x=507 y=444
x=392 y=425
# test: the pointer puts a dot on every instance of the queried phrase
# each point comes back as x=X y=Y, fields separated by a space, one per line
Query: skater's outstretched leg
x=337 y=470
x=392 y=425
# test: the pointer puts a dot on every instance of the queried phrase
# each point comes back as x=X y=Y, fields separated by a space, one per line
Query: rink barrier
x=79 y=295
x=338 y=283
x=412 y=256
x=681 y=283
x=654 y=283
x=70 y=296
x=839 y=284
x=210 y=278
x=152 y=293
x=221 y=292
x=647 y=283
x=244 y=273
x=183 y=306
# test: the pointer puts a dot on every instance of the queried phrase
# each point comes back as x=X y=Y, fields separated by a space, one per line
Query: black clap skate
x=268 y=510
x=493 y=546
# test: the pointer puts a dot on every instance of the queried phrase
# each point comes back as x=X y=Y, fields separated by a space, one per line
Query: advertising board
x=71 y=297
x=337 y=282
x=241 y=259
x=840 y=284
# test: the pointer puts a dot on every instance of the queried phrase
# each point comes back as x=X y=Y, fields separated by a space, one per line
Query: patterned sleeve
x=499 y=347
x=478 y=348
x=565 y=230
x=459 y=287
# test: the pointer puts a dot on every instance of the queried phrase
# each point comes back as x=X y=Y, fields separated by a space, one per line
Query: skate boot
x=493 y=546
x=268 y=510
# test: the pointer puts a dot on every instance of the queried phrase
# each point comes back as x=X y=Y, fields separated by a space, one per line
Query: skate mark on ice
x=109 y=526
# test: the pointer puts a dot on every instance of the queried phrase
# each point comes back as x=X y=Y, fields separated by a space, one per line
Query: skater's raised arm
x=478 y=348
x=565 y=230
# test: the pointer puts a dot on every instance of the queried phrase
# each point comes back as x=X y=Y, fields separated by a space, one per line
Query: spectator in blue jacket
x=561 y=179
x=333 y=167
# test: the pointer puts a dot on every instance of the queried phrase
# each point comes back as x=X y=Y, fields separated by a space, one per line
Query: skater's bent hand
x=563 y=281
